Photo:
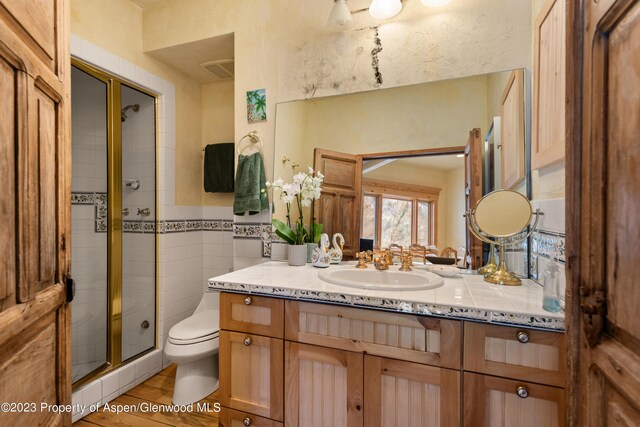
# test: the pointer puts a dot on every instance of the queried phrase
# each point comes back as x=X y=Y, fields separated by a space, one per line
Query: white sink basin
x=387 y=280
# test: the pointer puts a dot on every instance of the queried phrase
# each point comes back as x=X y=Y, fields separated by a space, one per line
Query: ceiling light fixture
x=340 y=15
x=385 y=9
x=435 y=3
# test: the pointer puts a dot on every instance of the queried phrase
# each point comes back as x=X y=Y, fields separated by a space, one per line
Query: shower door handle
x=71 y=289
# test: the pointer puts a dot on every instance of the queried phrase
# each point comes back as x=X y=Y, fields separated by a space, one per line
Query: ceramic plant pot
x=310 y=248
x=297 y=255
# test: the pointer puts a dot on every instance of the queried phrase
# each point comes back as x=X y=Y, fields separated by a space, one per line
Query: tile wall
x=548 y=241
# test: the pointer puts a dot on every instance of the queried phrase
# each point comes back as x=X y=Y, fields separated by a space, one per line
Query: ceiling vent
x=222 y=68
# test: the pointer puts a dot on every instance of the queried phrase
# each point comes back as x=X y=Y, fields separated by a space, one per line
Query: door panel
x=338 y=209
x=8 y=80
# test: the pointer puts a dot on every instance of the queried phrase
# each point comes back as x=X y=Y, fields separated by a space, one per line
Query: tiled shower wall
x=195 y=243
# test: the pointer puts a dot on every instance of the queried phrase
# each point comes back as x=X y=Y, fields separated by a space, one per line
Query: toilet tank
x=210 y=300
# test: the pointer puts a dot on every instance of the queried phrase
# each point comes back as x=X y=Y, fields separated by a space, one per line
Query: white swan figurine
x=320 y=257
x=335 y=253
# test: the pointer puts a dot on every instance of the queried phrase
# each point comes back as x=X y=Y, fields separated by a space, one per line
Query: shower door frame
x=114 y=220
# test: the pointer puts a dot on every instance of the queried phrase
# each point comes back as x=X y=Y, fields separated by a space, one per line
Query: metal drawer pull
x=523 y=337
x=247 y=341
x=522 y=392
x=248 y=301
x=246 y=421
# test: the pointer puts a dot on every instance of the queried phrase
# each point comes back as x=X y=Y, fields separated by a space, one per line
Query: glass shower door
x=89 y=309
x=139 y=215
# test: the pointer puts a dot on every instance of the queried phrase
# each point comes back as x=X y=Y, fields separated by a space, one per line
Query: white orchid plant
x=305 y=188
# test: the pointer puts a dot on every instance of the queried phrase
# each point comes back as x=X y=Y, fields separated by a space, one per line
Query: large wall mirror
x=401 y=165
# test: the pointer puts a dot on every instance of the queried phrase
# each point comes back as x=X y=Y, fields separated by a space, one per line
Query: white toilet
x=193 y=346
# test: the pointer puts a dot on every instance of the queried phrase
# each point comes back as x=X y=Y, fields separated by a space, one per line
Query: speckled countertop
x=466 y=296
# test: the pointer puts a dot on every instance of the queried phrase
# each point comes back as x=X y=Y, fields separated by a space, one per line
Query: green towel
x=218 y=167
x=250 y=181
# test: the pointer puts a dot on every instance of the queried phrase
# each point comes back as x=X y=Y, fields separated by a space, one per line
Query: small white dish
x=443 y=270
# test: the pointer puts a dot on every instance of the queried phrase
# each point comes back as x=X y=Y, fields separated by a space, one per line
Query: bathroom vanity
x=295 y=350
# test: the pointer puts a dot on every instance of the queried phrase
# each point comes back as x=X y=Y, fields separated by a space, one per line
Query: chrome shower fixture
x=135 y=107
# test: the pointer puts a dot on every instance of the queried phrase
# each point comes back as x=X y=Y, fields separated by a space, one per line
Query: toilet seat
x=200 y=327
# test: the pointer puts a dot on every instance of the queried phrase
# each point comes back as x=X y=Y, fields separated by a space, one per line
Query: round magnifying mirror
x=503 y=213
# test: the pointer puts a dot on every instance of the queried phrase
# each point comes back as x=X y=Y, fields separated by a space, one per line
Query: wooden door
x=500 y=402
x=473 y=190
x=323 y=386
x=603 y=183
x=339 y=207
x=35 y=149
x=402 y=393
x=251 y=374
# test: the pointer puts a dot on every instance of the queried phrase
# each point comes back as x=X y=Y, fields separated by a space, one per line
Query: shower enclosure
x=113 y=214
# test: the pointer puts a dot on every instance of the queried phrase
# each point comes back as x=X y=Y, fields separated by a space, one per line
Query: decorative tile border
x=186 y=225
x=545 y=244
x=548 y=244
x=498 y=317
x=98 y=201
x=256 y=230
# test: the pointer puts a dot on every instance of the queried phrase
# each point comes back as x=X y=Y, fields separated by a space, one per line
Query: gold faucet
x=380 y=263
x=407 y=262
x=363 y=257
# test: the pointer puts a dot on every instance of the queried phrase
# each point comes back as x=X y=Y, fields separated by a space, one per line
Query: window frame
x=381 y=189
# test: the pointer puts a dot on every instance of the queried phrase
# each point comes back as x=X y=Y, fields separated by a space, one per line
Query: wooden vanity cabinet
x=292 y=363
x=502 y=402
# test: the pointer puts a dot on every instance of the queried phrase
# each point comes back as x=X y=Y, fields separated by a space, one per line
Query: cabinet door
x=251 y=374
x=506 y=351
x=499 y=402
x=409 y=394
x=323 y=387
x=549 y=64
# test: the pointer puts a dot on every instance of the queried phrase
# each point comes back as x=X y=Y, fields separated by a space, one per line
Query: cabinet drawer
x=515 y=353
x=398 y=336
x=251 y=374
x=252 y=314
x=492 y=401
x=232 y=418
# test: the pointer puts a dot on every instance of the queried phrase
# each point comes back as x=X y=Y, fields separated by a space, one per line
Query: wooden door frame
x=573 y=196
